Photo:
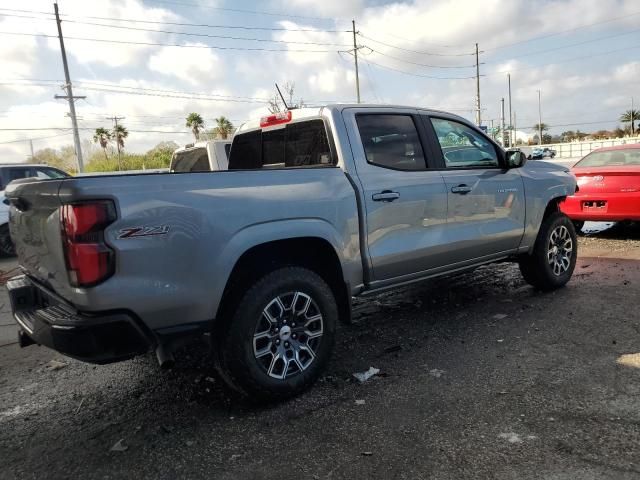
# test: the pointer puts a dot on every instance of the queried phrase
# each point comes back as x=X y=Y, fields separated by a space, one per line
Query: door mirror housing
x=515 y=158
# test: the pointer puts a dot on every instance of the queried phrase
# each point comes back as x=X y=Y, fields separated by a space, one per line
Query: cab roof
x=310 y=113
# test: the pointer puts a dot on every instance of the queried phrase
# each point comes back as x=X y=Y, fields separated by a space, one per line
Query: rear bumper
x=45 y=319
x=618 y=207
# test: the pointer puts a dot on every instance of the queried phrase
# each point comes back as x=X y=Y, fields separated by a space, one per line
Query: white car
x=8 y=173
x=208 y=156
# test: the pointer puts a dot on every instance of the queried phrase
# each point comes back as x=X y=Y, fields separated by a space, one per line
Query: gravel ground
x=480 y=377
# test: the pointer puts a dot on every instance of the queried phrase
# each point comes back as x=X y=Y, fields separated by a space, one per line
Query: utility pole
x=478 y=119
x=115 y=131
x=539 y=120
x=633 y=128
x=493 y=133
x=355 y=56
x=31 y=146
x=510 y=116
x=515 y=131
x=502 y=121
x=69 y=96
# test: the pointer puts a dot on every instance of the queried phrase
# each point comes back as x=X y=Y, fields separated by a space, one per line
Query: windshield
x=611 y=158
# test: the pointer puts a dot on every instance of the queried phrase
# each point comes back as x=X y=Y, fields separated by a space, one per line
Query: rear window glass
x=611 y=158
x=302 y=144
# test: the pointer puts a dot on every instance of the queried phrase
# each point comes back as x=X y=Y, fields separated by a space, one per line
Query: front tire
x=578 y=224
x=7 y=247
x=278 y=340
x=551 y=264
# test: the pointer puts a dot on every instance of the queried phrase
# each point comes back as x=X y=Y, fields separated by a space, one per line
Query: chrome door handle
x=461 y=189
x=385 y=196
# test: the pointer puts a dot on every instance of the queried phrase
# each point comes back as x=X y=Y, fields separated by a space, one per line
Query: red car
x=609 y=186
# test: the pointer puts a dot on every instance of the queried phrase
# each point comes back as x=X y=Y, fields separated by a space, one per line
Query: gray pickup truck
x=317 y=206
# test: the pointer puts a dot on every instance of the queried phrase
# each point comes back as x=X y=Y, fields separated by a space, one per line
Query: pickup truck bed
x=317 y=206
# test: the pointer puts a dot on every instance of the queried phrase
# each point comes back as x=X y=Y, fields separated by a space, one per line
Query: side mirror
x=515 y=158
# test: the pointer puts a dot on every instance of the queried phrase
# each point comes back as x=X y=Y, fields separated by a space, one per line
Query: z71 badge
x=132 y=232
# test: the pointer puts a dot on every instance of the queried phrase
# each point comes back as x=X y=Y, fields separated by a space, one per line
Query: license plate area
x=594 y=205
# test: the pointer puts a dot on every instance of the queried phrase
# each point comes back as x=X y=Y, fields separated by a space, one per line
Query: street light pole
x=502 y=122
x=633 y=128
x=539 y=120
x=510 y=116
x=478 y=118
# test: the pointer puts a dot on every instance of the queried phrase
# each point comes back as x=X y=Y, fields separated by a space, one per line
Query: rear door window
x=391 y=141
x=302 y=144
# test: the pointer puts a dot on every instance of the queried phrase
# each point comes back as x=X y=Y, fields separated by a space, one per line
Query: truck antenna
x=282 y=97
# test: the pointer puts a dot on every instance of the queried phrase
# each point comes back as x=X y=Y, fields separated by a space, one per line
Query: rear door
x=405 y=200
x=486 y=202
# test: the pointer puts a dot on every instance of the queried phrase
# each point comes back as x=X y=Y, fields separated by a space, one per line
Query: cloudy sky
x=154 y=61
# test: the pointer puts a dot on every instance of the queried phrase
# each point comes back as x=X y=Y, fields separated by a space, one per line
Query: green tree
x=224 y=127
x=103 y=137
x=119 y=133
x=536 y=128
x=64 y=159
x=195 y=123
x=630 y=116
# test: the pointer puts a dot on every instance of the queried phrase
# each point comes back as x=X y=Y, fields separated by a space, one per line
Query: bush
x=153 y=159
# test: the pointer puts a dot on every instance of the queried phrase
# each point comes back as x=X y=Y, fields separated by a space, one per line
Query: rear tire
x=269 y=347
x=551 y=264
x=7 y=247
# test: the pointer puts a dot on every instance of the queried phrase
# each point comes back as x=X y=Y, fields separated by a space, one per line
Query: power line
x=205 y=25
x=157 y=44
x=179 y=24
x=570 y=45
x=563 y=61
x=182 y=96
x=36 y=129
x=239 y=10
x=114 y=85
x=25 y=11
x=36 y=138
x=417 y=63
x=173 y=32
x=562 y=32
x=418 y=74
x=415 y=51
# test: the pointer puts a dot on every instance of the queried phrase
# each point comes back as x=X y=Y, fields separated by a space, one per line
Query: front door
x=486 y=203
x=406 y=203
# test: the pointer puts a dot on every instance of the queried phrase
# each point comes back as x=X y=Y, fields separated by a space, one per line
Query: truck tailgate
x=35 y=227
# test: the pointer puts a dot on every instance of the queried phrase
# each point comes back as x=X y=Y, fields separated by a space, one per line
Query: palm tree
x=120 y=132
x=224 y=127
x=630 y=116
x=542 y=126
x=195 y=123
x=103 y=137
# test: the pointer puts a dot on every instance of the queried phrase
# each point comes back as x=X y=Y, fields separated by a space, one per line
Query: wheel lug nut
x=286 y=344
x=294 y=336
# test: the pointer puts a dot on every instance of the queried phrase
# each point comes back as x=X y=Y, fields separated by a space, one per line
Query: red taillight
x=89 y=259
x=275 y=119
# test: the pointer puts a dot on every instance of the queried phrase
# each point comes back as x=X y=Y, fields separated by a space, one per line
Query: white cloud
x=326 y=8
x=584 y=91
x=106 y=53
x=193 y=65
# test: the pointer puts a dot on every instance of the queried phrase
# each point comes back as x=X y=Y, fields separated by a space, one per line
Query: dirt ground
x=480 y=377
